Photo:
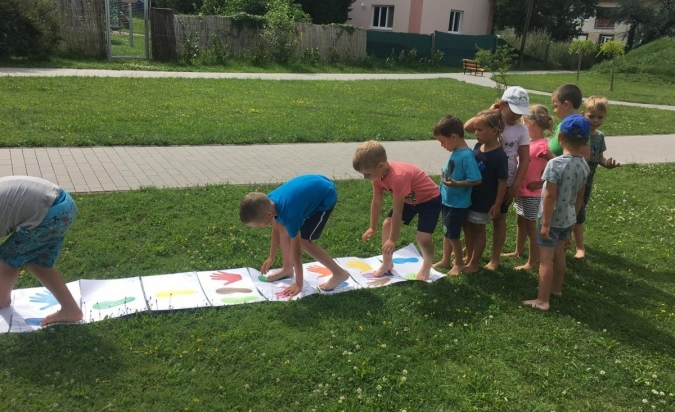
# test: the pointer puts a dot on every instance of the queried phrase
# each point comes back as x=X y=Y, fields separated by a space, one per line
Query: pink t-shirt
x=407 y=182
x=538 y=149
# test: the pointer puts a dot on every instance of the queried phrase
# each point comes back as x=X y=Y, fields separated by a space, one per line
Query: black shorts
x=313 y=226
x=428 y=211
x=453 y=219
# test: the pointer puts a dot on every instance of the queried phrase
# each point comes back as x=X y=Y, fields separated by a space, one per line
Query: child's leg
x=579 y=240
x=317 y=252
x=458 y=264
x=533 y=250
x=8 y=277
x=445 y=261
x=545 y=277
x=498 y=239
x=479 y=240
x=387 y=263
x=559 y=268
x=427 y=245
x=51 y=279
x=521 y=235
x=468 y=241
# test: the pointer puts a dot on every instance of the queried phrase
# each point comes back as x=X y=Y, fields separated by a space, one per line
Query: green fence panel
x=461 y=46
x=380 y=44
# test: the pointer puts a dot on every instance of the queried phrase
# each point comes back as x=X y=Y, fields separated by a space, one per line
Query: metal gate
x=128 y=29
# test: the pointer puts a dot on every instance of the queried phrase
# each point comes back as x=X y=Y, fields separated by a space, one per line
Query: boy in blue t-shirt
x=298 y=211
x=459 y=176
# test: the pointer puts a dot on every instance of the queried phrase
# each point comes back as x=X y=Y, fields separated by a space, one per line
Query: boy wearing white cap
x=516 y=143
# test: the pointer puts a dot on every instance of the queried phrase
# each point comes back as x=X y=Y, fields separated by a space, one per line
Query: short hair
x=569 y=92
x=574 y=142
x=540 y=116
x=492 y=118
x=449 y=125
x=369 y=155
x=253 y=207
x=596 y=103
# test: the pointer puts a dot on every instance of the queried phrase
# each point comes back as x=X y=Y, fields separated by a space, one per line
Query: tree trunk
x=611 y=83
x=581 y=56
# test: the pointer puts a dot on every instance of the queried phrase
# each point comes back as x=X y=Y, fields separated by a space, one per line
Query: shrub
x=28 y=28
x=540 y=47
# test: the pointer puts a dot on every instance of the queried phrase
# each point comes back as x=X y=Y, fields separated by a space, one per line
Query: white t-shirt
x=513 y=137
x=24 y=202
x=569 y=173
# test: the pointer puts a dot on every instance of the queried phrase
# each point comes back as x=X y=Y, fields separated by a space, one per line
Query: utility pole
x=530 y=6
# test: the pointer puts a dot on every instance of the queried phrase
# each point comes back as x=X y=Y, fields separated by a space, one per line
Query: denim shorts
x=42 y=244
x=555 y=233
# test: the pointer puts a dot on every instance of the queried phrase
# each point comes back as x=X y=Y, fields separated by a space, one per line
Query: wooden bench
x=472 y=66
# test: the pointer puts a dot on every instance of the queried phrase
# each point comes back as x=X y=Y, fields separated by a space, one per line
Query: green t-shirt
x=554 y=144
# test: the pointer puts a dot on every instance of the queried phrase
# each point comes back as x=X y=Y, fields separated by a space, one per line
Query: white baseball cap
x=517 y=99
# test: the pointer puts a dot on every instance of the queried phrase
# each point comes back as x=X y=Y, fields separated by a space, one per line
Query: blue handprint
x=44 y=297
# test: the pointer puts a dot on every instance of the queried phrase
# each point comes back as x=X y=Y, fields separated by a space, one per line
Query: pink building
x=424 y=16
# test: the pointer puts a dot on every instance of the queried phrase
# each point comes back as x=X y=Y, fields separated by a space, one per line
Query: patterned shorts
x=527 y=207
x=42 y=244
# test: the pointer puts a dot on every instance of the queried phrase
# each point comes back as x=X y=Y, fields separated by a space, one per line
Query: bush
x=28 y=28
x=540 y=47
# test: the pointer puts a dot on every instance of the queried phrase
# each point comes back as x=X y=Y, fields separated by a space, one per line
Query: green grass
x=112 y=111
x=458 y=344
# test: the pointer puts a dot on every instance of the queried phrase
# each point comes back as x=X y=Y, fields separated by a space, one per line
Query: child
x=529 y=192
x=516 y=143
x=486 y=198
x=39 y=214
x=298 y=211
x=566 y=101
x=595 y=110
x=459 y=176
x=414 y=193
x=561 y=198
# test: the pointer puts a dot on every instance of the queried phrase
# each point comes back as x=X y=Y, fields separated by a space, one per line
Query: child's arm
x=609 y=163
x=296 y=253
x=460 y=183
x=523 y=163
x=495 y=210
x=548 y=205
x=396 y=221
x=274 y=246
x=375 y=208
x=469 y=126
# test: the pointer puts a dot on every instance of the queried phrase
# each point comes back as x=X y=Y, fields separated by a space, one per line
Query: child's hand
x=495 y=211
x=267 y=264
x=292 y=290
x=544 y=232
x=511 y=193
x=388 y=247
x=367 y=234
x=535 y=185
x=611 y=163
x=449 y=182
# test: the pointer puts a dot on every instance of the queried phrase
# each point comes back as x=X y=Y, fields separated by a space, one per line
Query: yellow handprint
x=362 y=266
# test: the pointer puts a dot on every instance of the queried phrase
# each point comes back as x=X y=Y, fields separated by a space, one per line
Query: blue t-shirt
x=300 y=198
x=461 y=166
x=493 y=166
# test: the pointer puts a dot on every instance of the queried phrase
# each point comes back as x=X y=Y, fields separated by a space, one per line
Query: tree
x=326 y=11
x=581 y=48
x=648 y=20
x=560 y=18
x=614 y=50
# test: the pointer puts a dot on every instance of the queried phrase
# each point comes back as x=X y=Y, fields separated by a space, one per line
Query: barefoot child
x=529 y=192
x=459 y=176
x=561 y=198
x=414 y=193
x=298 y=211
x=38 y=214
x=595 y=110
x=486 y=198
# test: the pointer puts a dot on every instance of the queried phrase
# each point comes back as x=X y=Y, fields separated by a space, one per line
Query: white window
x=582 y=36
x=455 y=21
x=604 y=38
x=383 y=17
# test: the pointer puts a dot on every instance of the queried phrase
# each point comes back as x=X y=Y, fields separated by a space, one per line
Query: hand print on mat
x=322 y=271
x=360 y=265
x=226 y=276
x=46 y=298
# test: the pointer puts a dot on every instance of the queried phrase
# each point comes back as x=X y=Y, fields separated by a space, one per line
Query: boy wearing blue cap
x=561 y=198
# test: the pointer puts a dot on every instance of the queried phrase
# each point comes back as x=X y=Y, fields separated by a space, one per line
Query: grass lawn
x=463 y=343
x=628 y=87
x=131 y=111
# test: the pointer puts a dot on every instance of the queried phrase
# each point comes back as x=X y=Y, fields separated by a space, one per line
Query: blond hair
x=596 y=103
x=491 y=118
x=253 y=207
x=368 y=156
x=540 y=116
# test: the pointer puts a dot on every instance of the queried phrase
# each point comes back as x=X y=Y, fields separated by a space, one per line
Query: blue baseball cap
x=576 y=126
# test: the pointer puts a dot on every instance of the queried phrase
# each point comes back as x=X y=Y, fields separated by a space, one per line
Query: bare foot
x=456 y=270
x=470 y=269
x=537 y=304
x=526 y=266
x=383 y=270
x=511 y=255
x=581 y=254
x=441 y=264
x=335 y=280
x=62 y=317
x=491 y=265
x=279 y=275
x=423 y=274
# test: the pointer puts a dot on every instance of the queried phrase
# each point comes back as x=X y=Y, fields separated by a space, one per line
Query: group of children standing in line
x=512 y=162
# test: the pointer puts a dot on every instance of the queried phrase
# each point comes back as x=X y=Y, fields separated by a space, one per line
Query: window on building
x=455 y=21
x=604 y=38
x=383 y=17
x=582 y=36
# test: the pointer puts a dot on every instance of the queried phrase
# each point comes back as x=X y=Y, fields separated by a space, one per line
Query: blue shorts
x=428 y=211
x=313 y=226
x=555 y=233
x=42 y=244
x=453 y=219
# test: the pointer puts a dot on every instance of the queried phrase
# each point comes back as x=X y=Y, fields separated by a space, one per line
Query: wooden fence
x=83 y=30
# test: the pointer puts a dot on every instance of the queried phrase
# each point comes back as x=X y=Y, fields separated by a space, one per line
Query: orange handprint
x=322 y=271
x=362 y=266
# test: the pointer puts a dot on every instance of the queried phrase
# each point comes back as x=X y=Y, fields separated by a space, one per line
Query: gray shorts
x=478 y=218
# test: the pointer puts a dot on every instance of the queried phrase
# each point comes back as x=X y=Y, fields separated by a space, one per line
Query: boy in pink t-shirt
x=414 y=194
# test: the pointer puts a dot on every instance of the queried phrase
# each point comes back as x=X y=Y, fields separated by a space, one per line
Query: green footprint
x=112 y=303
x=241 y=299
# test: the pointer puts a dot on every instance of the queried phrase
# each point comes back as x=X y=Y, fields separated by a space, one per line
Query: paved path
x=98 y=169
